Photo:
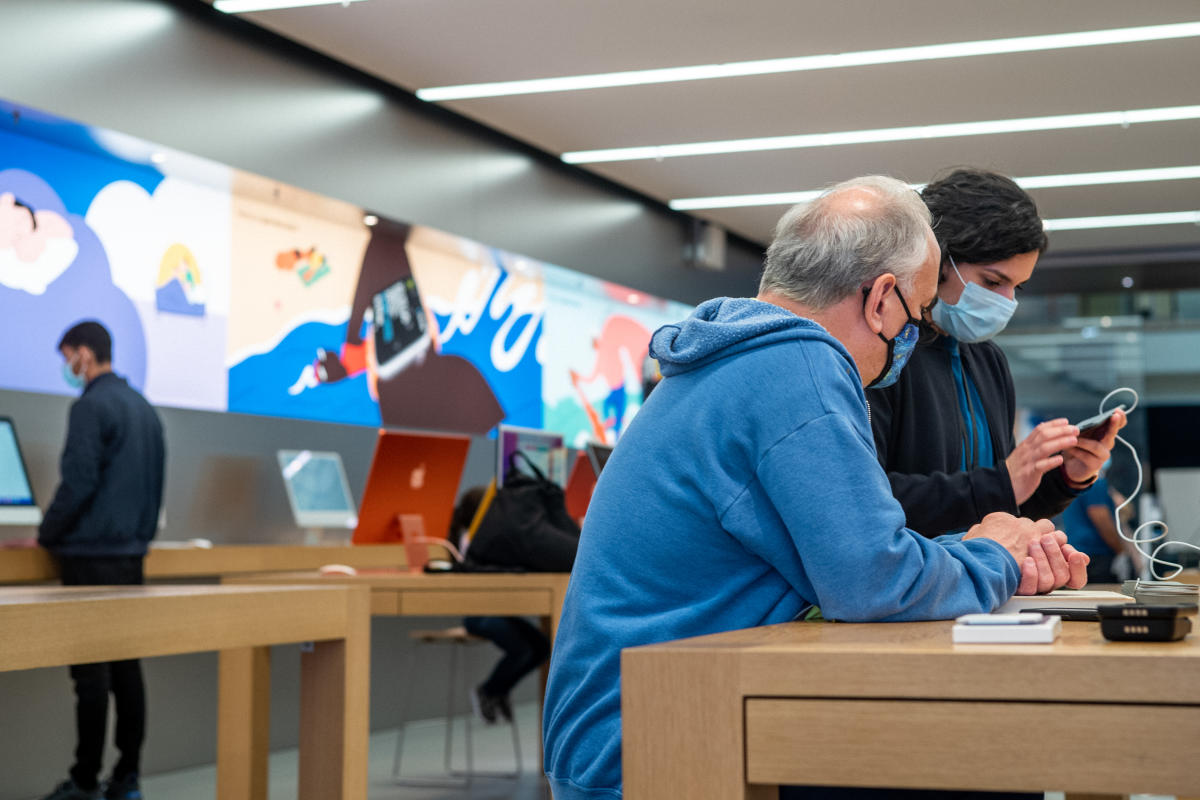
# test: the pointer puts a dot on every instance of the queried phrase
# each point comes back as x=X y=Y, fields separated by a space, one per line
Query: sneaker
x=484 y=706
x=504 y=706
x=126 y=788
x=69 y=790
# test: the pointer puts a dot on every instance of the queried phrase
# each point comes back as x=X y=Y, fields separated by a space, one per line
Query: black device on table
x=1137 y=622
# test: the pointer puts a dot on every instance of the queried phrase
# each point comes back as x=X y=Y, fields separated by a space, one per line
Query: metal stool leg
x=405 y=705
x=516 y=737
x=452 y=779
x=470 y=771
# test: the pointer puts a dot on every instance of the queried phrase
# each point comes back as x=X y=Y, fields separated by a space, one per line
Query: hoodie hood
x=725 y=326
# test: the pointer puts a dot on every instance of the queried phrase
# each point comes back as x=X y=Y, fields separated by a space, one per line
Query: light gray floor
x=423 y=751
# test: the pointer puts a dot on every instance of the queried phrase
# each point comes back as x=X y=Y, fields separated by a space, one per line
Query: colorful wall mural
x=227 y=291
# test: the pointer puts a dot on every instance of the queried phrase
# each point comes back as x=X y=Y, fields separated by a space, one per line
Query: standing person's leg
x=91 y=719
x=129 y=695
x=91 y=683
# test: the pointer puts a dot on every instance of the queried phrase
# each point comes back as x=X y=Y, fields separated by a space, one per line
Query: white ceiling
x=424 y=43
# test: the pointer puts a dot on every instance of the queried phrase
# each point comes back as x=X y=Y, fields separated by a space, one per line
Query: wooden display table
x=35 y=564
x=899 y=705
x=398 y=593
x=393 y=593
x=56 y=626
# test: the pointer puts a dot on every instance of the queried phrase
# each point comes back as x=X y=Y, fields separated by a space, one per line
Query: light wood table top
x=52 y=626
x=27 y=565
x=900 y=705
x=455 y=594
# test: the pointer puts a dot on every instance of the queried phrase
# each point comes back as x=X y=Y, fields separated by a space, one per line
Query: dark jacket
x=112 y=475
x=920 y=438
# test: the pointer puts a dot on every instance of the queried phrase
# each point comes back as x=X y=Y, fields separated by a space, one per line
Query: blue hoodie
x=744 y=492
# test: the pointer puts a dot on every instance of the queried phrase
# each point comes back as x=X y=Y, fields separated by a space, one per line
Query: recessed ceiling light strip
x=247 y=6
x=1035 y=182
x=1123 y=221
x=1019 y=44
x=905 y=134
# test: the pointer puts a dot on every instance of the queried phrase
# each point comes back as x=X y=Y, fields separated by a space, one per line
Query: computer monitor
x=543 y=448
x=411 y=490
x=598 y=456
x=317 y=489
x=17 y=506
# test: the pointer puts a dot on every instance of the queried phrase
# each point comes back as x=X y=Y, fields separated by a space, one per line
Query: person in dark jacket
x=98 y=526
x=944 y=431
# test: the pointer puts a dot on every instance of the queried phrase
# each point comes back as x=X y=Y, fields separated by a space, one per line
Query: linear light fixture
x=246 y=6
x=895 y=55
x=905 y=134
x=1035 y=182
x=1123 y=221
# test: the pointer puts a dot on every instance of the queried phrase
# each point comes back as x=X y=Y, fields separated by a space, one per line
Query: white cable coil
x=1138 y=539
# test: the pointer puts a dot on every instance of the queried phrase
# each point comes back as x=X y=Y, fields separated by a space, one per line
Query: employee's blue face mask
x=979 y=313
x=73 y=380
x=900 y=347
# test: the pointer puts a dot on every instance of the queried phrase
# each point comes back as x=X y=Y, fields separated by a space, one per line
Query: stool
x=457 y=638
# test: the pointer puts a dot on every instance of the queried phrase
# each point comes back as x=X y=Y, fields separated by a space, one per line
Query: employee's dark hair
x=464 y=512
x=92 y=335
x=981 y=217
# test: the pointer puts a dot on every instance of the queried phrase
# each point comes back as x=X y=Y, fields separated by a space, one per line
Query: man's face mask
x=73 y=380
x=900 y=347
x=979 y=313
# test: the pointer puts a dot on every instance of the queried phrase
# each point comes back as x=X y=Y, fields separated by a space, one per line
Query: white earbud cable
x=1150 y=536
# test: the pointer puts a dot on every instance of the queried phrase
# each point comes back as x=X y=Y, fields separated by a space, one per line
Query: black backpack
x=526 y=525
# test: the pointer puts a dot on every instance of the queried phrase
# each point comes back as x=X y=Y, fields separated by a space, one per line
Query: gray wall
x=169 y=74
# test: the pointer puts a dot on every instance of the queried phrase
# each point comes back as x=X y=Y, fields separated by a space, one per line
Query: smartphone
x=1069 y=614
x=401 y=335
x=1093 y=426
x=1023 y=618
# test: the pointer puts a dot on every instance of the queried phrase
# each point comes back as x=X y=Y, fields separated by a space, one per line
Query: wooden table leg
x=335 y=710
x=243 y=723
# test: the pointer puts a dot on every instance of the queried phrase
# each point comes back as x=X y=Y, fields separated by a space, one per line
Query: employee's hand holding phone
x=1082 y=462
x=1041 y=451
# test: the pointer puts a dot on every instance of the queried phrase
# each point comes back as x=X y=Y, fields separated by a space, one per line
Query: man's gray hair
x=827 y=248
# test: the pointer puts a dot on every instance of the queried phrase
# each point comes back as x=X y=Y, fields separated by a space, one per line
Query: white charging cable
x=1150 y=537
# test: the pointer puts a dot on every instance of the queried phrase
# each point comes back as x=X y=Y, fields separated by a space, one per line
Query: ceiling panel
x=420 y=43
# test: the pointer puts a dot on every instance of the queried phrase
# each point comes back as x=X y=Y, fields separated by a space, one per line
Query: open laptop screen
x=17 y=506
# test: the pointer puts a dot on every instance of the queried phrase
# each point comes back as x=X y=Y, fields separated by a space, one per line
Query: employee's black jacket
x=920 y=438
x=112 y=475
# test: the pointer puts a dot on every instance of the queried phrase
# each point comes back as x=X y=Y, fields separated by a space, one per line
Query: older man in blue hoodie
x=747 y=491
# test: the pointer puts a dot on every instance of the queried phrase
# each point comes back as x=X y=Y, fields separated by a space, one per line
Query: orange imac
x=410 y=491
